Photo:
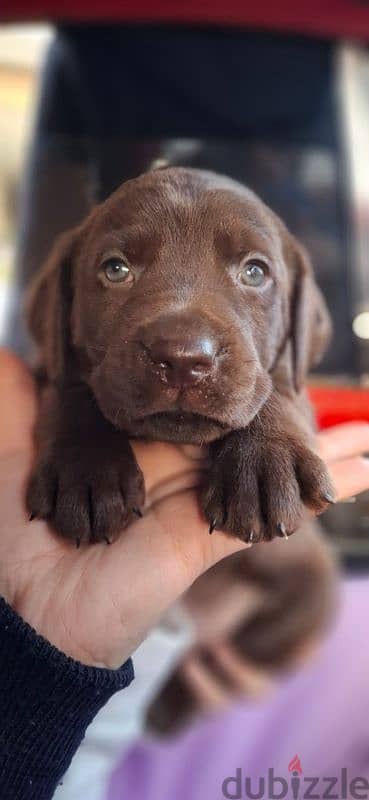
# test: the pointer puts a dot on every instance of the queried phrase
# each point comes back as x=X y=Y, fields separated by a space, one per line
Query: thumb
x=17 y=403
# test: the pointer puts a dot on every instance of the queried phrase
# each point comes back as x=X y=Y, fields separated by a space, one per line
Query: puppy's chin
x=178 y=426
x=186 y=420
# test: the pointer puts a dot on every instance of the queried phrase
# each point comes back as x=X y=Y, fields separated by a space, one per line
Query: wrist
x=47 y=700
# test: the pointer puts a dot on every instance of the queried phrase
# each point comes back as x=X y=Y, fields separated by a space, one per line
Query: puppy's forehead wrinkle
x=186 y=210
x=237 y=240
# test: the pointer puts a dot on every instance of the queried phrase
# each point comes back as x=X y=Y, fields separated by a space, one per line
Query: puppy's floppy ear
x=310 y=320
x=48 y=307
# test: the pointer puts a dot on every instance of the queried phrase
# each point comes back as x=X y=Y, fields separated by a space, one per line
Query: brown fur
x=185 y=353
x=297 y=588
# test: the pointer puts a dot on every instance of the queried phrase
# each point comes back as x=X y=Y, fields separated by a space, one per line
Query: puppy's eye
x=253 y=273
x=117 y=271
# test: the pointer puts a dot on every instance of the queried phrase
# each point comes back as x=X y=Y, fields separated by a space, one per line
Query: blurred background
x=281 y=104
x=22 y=50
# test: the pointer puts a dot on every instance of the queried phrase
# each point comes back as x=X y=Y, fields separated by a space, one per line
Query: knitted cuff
x=47 y=700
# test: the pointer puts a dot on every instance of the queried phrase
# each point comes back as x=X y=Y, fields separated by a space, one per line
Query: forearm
x=46 y=703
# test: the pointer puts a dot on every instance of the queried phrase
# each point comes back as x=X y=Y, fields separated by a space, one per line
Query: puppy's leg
x=86 y=481
x=263 y=477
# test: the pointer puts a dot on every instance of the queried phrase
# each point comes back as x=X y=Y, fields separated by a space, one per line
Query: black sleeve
x=47 y=700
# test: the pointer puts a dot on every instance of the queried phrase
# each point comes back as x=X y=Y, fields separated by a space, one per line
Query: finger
x=17 y=402
x=244 y=677
x=207 y=690
x=350 y=476
x=167 y=468
x=344 y=441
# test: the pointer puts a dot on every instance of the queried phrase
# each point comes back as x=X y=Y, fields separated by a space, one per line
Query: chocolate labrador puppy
x=182 y=310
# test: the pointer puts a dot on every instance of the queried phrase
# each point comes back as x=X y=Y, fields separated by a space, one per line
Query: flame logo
x=295 y=765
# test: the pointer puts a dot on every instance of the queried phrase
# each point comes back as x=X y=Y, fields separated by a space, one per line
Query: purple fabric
x=320 y=713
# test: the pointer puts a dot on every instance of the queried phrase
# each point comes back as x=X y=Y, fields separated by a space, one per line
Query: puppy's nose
x=182 y=363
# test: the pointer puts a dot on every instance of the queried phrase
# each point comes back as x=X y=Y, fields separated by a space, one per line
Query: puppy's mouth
x=182 y=418
x=180 y=426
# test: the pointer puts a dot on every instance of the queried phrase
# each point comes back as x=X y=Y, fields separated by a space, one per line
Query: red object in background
x=349 y=18
x=335 y=404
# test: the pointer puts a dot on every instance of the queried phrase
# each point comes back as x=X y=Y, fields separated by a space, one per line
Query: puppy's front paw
x=259 y=490
x=87 y=495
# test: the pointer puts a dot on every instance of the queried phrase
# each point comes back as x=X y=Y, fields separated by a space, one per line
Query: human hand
x=97 y=604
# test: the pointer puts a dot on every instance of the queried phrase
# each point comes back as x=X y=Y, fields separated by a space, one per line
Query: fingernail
x=329 y=498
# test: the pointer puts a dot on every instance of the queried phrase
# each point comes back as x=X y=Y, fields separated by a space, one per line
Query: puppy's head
x=176 y=300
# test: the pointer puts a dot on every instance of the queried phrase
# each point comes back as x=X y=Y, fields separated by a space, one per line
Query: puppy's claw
x=328 y=498
x=78 y=544
x=251 y=537
x=282 y=530
x=107 y=540
x=212 y=525
x=137 y=512
x=32 y=517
